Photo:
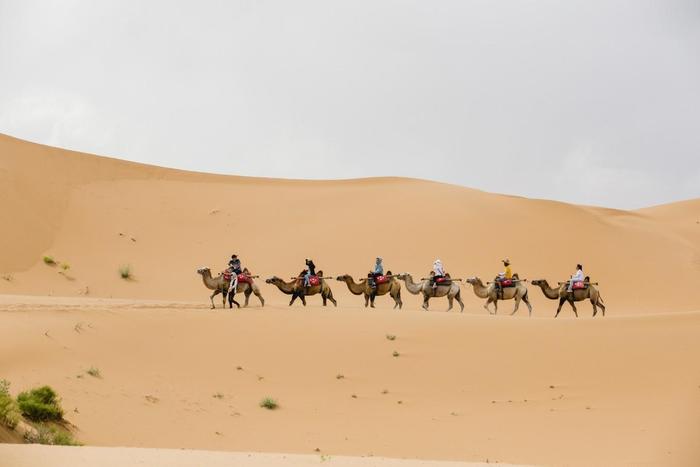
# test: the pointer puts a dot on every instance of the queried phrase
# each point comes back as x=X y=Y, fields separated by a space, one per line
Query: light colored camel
x=451 y=291
x=392 y=287
x=591 y=293
x=220 y=286
x=296 y=289
x=519 y=292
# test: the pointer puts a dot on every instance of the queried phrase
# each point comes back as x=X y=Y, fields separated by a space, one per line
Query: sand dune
x=97 y=214
x=464 y=387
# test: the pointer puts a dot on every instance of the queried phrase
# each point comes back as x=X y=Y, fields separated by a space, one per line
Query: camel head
x=203 y=271
x=539 y=282
x=474 y=281
x=344 y=277
x=273 y=280
x=401 y=276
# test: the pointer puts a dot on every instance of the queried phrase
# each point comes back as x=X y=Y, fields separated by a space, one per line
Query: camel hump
x=516 y=276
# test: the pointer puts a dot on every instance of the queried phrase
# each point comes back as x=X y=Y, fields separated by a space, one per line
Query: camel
x=519 y=292
x=392 y=287
x=451 y=290
x=296 y=289
x=220 y=286
x=591 y=293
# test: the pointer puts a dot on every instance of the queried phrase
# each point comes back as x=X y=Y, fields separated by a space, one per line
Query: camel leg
x=602 y=307
x=495 y=306
x=372 y=296
x=212 y=299
x=425 y=301
x=458 y=296
x=573 y=305
x=303 y=298
x=246 y=294
x=397 y=299
x=517 y=305
x=366 y=300
x=330 y=297
x=260 y=297
x=561 y=303
x=450 y=300
x=486 y=305
x=529 y=306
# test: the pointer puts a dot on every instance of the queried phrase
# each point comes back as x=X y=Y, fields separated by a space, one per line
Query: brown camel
x=296 y=289
x=450 y=290
x=220 y=286
x=392 y=287
x=591 y=293
x=519 y=292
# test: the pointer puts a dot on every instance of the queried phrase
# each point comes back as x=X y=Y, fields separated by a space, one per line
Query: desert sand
x=470 y=387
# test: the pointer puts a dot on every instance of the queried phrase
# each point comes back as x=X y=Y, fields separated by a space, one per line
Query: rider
x=438 y=272
x=507 y=274
x=376 y=272
x=234 y=267
x=576 y=277
x=310 y=271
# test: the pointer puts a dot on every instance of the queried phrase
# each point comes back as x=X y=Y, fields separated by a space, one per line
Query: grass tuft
x=395 y=354
x=9 y=411
x=40 y=404
x=269 y=403
x=391 y=337
x=49 y=260
x=46 y=434
x=94 y=372
x=125 y=272
x=218 y=395
x=65 y=266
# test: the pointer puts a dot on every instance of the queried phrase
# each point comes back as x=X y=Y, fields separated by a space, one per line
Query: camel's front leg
x=425 y=301
x=574 y=307
x=450 y=299
x=561 y=303
x=212 y=299
x=247 y=297
x=366 y=300
x=486 y=305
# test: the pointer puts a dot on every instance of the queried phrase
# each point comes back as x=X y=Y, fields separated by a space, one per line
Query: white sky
x=593 y=102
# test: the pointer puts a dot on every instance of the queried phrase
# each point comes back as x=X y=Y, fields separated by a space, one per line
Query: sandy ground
x=33 y=456
x=624 y=389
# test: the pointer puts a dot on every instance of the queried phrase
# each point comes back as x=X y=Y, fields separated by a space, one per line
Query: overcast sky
x=593 y=102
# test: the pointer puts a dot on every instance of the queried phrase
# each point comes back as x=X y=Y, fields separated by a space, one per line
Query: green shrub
x=9 y=411
x=46 y=434
x=269 y=403
x=125 y=272
x=49 y=260
x=40 y=404
x=94 y=372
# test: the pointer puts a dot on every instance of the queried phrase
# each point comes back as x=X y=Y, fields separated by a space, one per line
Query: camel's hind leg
x=425 y=302
x=247 y=294
x=529 y=306
x=458 y=297
x=396 y=295
x=486 y=305
x=517 y=305
x=450 y=300
x=330 y=297
x=366 y=300
x=573 y=305
x=561 y=303
x=216 y=292
x=257 y=293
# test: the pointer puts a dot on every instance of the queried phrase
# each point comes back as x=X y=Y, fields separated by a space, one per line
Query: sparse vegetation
x=269 y=403
x=339 y=376
x=125 y=272
x=391 y=337
x=395 y=354
x=65 y=266
x=46 y=434
x=9 y=411
x=218 y=395
x=49 y=260
x=40 y=404
x=94 y=372
x=7 y=277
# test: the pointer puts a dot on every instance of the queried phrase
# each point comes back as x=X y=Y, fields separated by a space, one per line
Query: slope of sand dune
x=462 y=387
x=97 y=214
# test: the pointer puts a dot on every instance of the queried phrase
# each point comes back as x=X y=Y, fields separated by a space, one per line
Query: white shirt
x=437 y=268
x=578 y=277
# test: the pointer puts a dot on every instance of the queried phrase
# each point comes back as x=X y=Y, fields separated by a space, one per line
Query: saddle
x=381 y=279
x=241 y=277
x=314 y=280
x=507 y=283
x=579 y=285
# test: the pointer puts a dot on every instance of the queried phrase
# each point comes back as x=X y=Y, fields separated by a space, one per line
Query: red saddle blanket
x=241 y=277
x=507 y=283
x=440 y=280
x=381 y=280
x=314 y=280
x=578 y=285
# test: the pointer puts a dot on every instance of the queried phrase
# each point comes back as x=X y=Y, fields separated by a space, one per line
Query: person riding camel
x=376 y=272
x=310 y=271
x=438 y=272
x=576 y=277
x=234 y=267
x=507 y=274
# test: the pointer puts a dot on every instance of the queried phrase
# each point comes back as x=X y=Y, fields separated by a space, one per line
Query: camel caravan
x=505 y=286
